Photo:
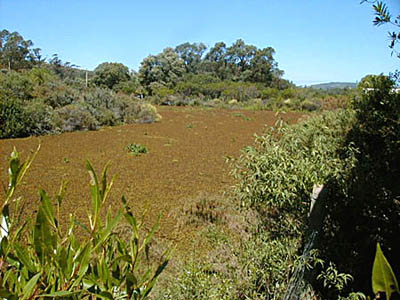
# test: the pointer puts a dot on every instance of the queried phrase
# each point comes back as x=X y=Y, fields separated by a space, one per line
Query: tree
x=15 y=52
x=215 y=61
x=239 y=56
x=110 y=74
x=164 y=69
x=191 y=54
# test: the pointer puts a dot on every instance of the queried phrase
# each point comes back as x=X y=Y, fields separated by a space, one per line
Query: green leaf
x=106 y=233
x=383 y=278
x=47 y=207
x=24 y=257
x=29 y=287
x=148 y=238
x=60 y=294
x=44 y=237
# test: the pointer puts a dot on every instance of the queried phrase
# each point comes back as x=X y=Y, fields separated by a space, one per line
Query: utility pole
x=86 y=79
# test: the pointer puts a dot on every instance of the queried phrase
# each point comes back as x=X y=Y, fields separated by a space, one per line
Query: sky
x=315 y=40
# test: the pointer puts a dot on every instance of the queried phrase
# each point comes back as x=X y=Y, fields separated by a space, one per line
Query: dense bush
x=276 y=177
x=15 y=85
x=37 y=102
x=202 y=89
x=12 y=118
x=364 y=209
x=73 y=117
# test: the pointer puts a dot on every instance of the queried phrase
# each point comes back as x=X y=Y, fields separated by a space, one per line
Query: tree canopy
x=110 y=74
x=15 y=52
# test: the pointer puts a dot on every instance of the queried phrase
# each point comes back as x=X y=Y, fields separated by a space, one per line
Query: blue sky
x=315 y=40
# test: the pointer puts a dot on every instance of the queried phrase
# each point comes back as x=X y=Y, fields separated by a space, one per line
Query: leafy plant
x=383 y=278
x=40 y=258
x=137 y=149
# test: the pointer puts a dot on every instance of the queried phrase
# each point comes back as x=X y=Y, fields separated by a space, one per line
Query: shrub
x=310 y=105
x=73 y=117
x=364 y=209
x=56 y=94
x=39 y=117
x=13 y=118
x=41 y=258
x=287 y=161
x=15 y=85
x=141 y=113
x=276 y=177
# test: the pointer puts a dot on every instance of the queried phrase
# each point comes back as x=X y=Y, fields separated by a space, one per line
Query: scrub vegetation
x=307 y=209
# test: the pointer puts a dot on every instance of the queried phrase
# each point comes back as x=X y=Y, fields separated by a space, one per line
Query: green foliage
x=136 y=149
x=363 y=209
x=38 y=102
x=73 y=117
x=165 y=69
x=12 y=118
x=196 y=281
x=276 y=177
x=383 y=16
x=383 y=278
x=40 y=258
x=191 y=54
x=332 y=279
x=15 y=52
x=16 y=85
x=110 y=74
x=288 y=160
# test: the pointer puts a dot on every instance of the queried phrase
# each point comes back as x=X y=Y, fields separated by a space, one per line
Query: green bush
x=13 y=118
x=15 y=85
x=39 y=118
x=73 y=117
x=41 y=258
x=364 y=209
x=276 y=177
x=38 y=102
x=56 y=94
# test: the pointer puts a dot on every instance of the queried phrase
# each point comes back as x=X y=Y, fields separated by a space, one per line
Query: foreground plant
x=40 y=259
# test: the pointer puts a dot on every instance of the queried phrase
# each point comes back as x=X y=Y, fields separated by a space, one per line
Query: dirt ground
x=187 y=151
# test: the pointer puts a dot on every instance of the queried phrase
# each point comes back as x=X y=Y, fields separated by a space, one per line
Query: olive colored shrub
x=37 y=102
x=73 y=117
x=140 y=113
x=12 y=118
x=15 y=85
x=56 y=94
x=39 y=118
x=42 y=259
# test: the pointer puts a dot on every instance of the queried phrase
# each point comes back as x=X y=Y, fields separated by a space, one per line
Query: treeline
x=40 y=97
x=187 y=65
x=239 y=75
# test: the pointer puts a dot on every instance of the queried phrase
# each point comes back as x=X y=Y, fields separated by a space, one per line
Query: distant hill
x=334 y=85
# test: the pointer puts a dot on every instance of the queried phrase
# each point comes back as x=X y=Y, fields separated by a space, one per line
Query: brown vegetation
x=186 y=156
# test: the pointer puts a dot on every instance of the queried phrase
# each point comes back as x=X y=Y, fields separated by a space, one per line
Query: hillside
x=334 y=85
